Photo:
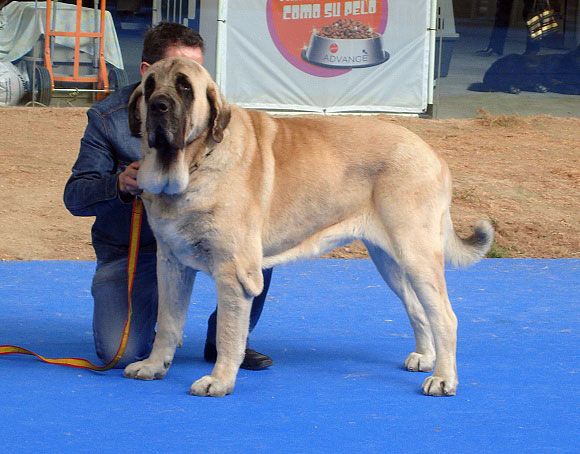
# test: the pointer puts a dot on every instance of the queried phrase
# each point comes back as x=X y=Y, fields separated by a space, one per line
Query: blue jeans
x=109 y=291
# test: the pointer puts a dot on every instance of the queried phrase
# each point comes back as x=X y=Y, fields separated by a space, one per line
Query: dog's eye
x=183 y=86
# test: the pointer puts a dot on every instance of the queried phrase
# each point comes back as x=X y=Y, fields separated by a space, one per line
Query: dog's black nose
x=160 y=105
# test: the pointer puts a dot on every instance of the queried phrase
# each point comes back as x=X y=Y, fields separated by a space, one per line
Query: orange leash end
x=136 y=219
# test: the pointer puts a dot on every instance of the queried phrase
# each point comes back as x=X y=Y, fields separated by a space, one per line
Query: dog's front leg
x=233 y=319
x=175 y=283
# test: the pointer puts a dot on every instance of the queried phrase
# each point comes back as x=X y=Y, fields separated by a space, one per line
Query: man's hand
x=128 y=180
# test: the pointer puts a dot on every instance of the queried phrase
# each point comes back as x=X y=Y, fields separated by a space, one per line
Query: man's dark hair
x=165 y=35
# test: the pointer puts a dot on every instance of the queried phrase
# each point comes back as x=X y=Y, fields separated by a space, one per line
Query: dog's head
x=176 y=103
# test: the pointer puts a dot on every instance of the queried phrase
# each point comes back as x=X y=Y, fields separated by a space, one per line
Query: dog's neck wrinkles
x=197 y=150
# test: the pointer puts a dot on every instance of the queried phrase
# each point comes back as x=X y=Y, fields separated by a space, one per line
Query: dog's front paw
x=145 y=370
x=438 y=386
x=210 y=386
x=416 y=362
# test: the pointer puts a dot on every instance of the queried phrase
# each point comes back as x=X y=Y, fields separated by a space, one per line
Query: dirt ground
x=522 y=173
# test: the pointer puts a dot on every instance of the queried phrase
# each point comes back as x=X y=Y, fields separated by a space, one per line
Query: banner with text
x=321 y=55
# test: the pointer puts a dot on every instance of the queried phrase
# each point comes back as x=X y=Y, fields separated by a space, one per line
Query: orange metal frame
x=101 y=78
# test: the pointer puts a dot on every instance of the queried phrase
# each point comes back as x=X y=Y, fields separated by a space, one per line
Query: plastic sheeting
x=21 y=25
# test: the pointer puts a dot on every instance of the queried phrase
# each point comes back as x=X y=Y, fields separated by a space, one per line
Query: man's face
x=194 y=53
x=183 y=51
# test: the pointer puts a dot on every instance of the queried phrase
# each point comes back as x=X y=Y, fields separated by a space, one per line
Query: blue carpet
x=338 y=337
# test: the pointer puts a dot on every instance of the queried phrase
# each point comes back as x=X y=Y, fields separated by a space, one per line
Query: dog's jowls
x=230 y=191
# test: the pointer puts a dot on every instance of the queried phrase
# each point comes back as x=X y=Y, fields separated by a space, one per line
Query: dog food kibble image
x=347 y=29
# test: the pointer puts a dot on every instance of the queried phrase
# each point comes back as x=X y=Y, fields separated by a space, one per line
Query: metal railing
x=168 y=11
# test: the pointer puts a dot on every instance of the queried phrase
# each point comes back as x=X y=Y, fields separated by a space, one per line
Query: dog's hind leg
x=423 y=358
x=423 y=265
x=417 y=251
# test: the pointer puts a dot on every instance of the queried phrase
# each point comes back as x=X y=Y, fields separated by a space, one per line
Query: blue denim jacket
x=107 y=147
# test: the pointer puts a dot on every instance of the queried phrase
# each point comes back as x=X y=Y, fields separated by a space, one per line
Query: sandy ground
x=522 y=173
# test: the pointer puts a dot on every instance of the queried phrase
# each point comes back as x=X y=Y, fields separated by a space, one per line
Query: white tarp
x=325 y=56
x=21 y=25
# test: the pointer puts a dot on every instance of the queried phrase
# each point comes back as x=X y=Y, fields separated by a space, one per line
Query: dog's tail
x=467 y=251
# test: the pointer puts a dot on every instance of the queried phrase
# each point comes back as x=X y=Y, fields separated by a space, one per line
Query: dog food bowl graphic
x=333 y=52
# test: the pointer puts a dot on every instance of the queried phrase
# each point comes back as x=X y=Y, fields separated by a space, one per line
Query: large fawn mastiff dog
x=230 y=191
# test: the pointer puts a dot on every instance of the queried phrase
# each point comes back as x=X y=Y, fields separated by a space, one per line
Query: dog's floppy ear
x=219 y=113
x=135 y=111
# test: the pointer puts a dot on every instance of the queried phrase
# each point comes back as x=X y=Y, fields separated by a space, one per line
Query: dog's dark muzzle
x=164 y=129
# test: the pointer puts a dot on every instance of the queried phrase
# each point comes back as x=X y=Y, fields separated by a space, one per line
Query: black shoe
x=252 y=361
x=255 y=360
